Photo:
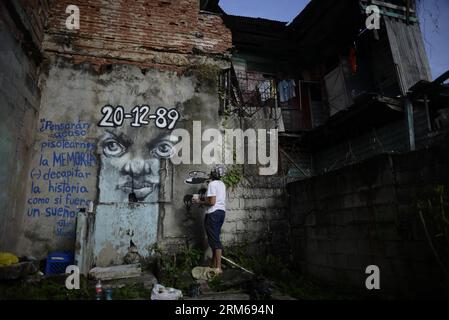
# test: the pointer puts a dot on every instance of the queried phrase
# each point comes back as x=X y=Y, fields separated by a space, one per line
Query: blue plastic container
x=57 y=262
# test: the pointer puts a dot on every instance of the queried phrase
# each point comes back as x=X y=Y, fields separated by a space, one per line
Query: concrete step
x=116 y=272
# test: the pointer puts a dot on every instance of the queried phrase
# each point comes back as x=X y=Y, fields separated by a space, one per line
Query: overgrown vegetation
x=206 y=75
x=174 y=270
x=52 y=288
x=217 y=284
x=233 y=176
x=285 y=278
x=433 y=211
x=434 y=205
x=131 y=292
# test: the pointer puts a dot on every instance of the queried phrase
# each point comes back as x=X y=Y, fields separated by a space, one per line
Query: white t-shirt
x=218 y=189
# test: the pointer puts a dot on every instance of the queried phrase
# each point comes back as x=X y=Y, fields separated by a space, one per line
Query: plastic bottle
x=98 y=290
x=108 y=293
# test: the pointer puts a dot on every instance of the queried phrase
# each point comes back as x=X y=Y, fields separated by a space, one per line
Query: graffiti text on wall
x=59 y=180
x=139 y=116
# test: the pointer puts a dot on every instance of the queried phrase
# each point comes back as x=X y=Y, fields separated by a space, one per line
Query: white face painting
x=130 y=160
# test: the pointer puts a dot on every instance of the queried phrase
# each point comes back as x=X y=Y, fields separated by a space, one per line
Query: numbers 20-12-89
x=140 y=116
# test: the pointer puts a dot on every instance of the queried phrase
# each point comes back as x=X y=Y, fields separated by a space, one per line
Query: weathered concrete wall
x=19 y=106
x=76 y=161
x=62 y=160
x=366 y=214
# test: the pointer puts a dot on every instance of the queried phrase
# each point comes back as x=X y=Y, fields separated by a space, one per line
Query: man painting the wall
x=216 y=202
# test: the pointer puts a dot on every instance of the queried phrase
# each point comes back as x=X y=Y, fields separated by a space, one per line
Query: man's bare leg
x=214 y=259
x=218 y=260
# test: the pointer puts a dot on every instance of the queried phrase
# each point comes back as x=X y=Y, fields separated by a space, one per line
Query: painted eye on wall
x=164 y=149
x=112 y=148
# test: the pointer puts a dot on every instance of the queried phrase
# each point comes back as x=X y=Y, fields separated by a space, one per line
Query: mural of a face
x=131 y=162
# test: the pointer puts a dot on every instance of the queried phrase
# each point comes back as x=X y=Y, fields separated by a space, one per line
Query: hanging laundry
x=265 y=90
x=287 y=90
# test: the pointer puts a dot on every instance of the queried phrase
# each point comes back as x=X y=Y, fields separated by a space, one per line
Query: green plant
x=192 y=257
x=286 y=278
x=47 y=289
x=216 y=284
x=174 y=268
x=233 y=176
x=434 y=204
x=206 y=75
x=131 y=292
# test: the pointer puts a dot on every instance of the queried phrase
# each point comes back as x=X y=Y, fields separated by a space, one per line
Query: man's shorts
x=213 y=223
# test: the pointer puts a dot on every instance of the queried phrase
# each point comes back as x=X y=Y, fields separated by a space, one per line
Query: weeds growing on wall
x=434 y=205
x=233 y=176
x=433 y=212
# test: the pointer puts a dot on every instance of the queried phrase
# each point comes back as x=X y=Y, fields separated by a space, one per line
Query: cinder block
x=242 y=203
x=346 y=247
x=350 y=232
x=393 y=249
x=359 y=262
x=415 y=249
x=261 y=214
x=310 y=220
x=233 y=203
x=319 y=259
x=323 y=273
x=323 y=246
x=241 y=226
x=385 y=213
x=231 y=215
x=338 y=261
x=229 y=227
x=363 y=215
x=278 y=226
x=228 y=238
x=386 y=232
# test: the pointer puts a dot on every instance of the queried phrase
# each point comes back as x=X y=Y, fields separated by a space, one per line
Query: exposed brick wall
x=29 y=20
x=36 y=12
x=144 y=32
x=366 y=214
